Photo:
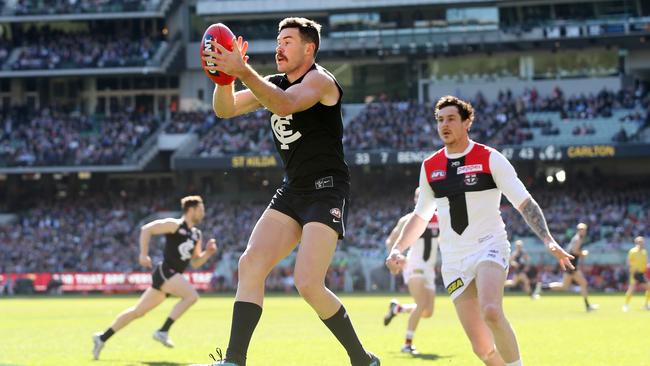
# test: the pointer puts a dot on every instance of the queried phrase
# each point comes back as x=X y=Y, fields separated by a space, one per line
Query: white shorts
x=416 y=266
x=458 y=274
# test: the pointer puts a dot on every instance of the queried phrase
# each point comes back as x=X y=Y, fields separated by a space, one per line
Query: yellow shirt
x=638 y=259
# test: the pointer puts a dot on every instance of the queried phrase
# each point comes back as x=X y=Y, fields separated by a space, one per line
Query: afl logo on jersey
x=438 y=175
x=281 y=127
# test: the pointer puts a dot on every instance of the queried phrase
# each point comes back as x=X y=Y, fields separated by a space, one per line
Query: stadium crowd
x=409 y=125
x=58 y=137
x=46 y=48
x=32 y=7
x=100 y=232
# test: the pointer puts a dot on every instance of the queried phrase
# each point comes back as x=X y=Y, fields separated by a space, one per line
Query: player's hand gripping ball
x=223 y=35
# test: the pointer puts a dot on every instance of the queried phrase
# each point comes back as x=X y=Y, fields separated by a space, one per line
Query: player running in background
x=182 y=247
x=311 y=206
x=419 y=275
x=575 y=249
x=520 y=263
x=464 y=181
x=637 y=261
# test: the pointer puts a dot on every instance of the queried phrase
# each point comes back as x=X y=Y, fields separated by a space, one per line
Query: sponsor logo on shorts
x=455 y=285
x=418 y=271
x=438 y=174
x=326 y=182
x=336 y=213
x=471 y=179
x=469 y=169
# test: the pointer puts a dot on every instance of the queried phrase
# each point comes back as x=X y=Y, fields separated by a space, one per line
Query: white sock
x=407 y=308
x=516 y=363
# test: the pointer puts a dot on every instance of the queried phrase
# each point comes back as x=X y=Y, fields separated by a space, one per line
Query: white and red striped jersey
x=466 y=189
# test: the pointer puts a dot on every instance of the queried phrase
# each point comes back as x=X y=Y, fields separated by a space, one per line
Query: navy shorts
x=160 y=274
x=327 y=206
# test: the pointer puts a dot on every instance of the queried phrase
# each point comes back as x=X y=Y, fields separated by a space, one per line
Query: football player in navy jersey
x=183 y=246
x=311 y=206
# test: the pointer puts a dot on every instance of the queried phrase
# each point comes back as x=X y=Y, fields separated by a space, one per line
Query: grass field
x=554 y=330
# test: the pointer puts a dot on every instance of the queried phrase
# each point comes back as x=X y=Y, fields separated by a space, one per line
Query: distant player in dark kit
x=312 y=204
x=575 y=249
x=520 y=263
x=183 y=246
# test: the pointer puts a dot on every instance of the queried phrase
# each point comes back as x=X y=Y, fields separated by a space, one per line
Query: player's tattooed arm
x=534 y=217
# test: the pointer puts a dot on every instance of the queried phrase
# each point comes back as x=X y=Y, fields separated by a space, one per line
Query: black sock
x=107 y=334
x=245 y=316
x=586 y=302
x=168 y=323
x=341 y=326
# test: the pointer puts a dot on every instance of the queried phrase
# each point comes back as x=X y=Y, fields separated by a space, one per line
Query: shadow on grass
x=154 y=363
x=429 y=356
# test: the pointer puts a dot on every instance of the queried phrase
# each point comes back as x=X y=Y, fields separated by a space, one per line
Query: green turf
x=554 y=330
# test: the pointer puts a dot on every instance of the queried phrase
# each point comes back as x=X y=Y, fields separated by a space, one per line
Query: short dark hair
x=309 y=29
x=190 y=201
x=465 y=109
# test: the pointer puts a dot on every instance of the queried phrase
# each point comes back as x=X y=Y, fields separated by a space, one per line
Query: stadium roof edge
x=232 y=7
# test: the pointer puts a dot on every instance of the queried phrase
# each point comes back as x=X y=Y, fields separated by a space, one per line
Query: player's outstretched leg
x=628 y=296
x=489 y=284
x=423 y=308
x=179 y=286
x=275 y=235
x=395 y=308
x=317 y=247
x=469 y=313
x=582 y=282
x=149 y=300
x=392 y=311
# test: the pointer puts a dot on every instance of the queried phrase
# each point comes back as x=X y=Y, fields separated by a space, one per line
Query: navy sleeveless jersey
x=179 y=247
x=310 y=142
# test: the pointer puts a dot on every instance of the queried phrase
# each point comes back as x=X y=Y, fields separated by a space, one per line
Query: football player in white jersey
x=419 y=276
x=464 y=181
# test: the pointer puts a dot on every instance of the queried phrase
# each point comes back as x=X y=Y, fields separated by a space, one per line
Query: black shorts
x=639 y=277
x=328 y=206
x=574 y=261
x=160 y=274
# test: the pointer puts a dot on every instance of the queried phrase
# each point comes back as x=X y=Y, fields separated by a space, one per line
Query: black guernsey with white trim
x=310 y=142
x=316 y=186
x=179 y=247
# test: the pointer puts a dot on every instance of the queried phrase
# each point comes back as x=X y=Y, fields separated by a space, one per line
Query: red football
x=222 y=34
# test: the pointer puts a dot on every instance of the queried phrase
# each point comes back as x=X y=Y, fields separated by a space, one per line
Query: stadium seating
x=31 y=7
x=56 y=137
x=47 y=48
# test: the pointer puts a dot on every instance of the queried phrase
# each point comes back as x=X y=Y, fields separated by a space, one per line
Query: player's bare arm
x=227 y=103
x=200 y=256
x=394 y=234
x=534 y=217
x=413 y=229
x=156 y=227
x=315 y=87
